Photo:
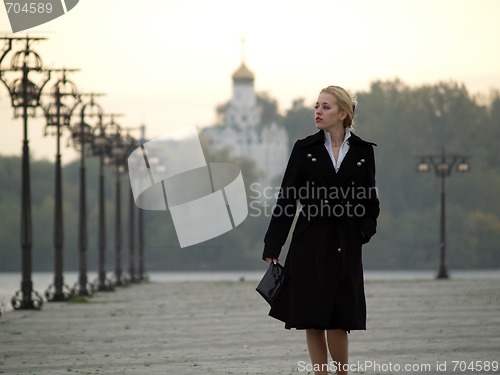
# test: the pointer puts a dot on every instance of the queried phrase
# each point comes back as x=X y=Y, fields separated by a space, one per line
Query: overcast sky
x=168 y=64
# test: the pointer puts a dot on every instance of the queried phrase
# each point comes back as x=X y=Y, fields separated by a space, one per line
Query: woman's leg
x=338 y=344
x=316 y=344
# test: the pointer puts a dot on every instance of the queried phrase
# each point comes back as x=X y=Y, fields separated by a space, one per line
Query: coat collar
x=319 y=138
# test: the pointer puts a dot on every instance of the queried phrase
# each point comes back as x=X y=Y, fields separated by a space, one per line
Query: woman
x=332 y=175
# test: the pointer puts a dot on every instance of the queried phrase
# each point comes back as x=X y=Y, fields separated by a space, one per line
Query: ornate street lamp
x=141 y=222
x=140 y=243
x=101 y=147
x=25 y=98
x=130 y=144
x=442 y=165
x=117 y=157
x=58 y=115
x=137 y=274
x=81 y=134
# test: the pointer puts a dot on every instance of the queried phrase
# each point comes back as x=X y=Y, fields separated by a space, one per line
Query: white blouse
x=344 y=147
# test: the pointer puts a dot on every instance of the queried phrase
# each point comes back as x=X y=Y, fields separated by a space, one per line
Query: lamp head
x=423 y=166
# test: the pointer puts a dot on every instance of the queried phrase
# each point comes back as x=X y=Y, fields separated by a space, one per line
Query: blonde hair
x=345 y=101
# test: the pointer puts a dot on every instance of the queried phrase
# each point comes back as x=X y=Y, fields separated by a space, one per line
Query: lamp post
x=130 y=144
x=131 y=237
x=443 y=165
x=136 y=259
x=81 y=134
x=136 y=271
x=25 y=98
x=58 y=116
x=140 y=224
x=118 y=152
x=101 y=148
x=140 y=243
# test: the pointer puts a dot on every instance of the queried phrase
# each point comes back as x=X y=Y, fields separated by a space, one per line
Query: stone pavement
x=414 y=326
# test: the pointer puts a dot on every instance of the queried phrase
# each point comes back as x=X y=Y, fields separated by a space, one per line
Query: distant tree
x=299 y=121
x=269 y=109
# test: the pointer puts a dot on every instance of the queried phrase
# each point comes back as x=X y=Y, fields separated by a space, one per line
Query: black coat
x=323 y=268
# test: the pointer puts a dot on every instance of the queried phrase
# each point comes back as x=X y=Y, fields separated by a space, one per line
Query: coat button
x=339 y=250
x=309 y=155
x=358 y=164
x=313 y=159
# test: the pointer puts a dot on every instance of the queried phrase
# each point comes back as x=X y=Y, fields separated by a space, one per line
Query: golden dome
x=243 y=73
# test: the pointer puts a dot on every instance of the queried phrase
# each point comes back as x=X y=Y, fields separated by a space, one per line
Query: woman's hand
x=271 y=260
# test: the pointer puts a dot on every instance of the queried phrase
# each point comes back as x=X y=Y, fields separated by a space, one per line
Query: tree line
x=404 y=121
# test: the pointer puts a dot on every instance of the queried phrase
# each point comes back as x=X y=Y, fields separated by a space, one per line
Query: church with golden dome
x=245 y=135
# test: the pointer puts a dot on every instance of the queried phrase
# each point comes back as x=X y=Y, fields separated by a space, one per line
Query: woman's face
x=327 y=114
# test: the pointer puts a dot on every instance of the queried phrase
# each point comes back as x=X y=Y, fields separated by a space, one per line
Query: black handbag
x=271 y=282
